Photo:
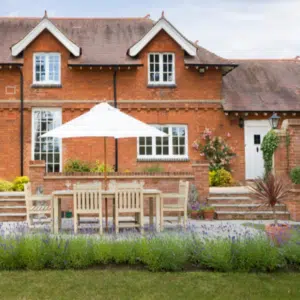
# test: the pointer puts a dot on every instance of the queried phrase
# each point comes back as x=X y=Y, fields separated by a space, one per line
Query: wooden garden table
x=108 y=194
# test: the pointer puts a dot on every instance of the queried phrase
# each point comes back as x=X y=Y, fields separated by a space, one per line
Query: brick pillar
x=200 y=171
x=281 y=163
x=293 y=204
x=37 y=170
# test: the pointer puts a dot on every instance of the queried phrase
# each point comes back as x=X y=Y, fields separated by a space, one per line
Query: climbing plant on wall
x=268 y=147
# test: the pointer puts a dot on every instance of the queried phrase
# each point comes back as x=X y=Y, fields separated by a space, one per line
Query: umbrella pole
x=105 y=186
x=105 y=169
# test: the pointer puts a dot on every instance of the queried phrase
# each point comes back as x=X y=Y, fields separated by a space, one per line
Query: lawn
x=133 y=284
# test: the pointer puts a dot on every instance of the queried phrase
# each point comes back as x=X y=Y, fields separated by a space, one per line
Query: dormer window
x=46 y=69
x=161 y=69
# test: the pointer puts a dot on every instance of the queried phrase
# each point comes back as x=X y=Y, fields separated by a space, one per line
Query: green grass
x=131 y=284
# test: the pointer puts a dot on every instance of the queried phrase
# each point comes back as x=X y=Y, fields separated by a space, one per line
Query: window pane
x=151 y=58
x=149 y=151
x=142 y=150
x=47 y=149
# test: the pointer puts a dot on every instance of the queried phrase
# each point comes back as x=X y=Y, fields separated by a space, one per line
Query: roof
x=33 y=34
x=163 y=24
x=263 y=85
x=103 y=41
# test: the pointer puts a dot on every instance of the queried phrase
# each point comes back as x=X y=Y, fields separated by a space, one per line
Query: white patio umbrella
x=105 y=121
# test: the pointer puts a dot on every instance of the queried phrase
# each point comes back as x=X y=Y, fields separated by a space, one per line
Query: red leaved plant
x=271 y=190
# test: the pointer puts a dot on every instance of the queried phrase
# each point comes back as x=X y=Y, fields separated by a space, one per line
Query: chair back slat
x=28 y=199
x=184 y=191
x=87 y=197
x=129 y=197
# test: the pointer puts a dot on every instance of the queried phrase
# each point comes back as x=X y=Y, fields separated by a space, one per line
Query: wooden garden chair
x=39 y=206
x=129 y=199
x=180 y=207
x=87 y=201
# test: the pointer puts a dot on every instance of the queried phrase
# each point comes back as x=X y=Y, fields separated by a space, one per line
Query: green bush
x=99 y=168
x=163 y=252
x=295 y=175
x=76 y=165
x=153 y=169
x=18 y=184
x=220 y=177
x=6 y=186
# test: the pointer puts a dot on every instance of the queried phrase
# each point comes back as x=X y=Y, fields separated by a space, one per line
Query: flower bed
x=164 y=252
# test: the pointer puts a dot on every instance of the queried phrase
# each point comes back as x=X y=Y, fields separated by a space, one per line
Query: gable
x=163 y=24
x=45 y=24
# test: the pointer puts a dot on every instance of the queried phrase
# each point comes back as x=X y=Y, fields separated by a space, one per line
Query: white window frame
x=161 y=82
x=56 y=109
x=46 y=81
x=170 y=156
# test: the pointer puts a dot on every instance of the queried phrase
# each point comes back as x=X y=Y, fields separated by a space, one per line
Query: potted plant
x=272 y=191
x=208 y=212
x=194 y=212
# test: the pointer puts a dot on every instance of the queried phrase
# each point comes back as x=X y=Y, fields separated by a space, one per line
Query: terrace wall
x=165 y=182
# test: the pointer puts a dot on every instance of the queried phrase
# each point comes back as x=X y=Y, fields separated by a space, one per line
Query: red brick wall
x=165 y=182
x=89 y=85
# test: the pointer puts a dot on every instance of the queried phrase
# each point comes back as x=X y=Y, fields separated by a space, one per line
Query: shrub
x=215 y=149
x=220 y=177
x=268 y=147
x=18 y=184
x=163 y=252
x=99 y=168
x=6 y=186
x=295 y=175
x=153 y=169
x=76 y=165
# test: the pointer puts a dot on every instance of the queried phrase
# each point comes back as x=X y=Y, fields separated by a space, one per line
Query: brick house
x=52 y=70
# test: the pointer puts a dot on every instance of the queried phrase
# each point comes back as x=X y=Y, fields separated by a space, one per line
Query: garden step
x=13 y=209
x=247 y=207
x=233 y=201
x=12 y=217
x=11 y=203
x=252 y=215
x=228 y=198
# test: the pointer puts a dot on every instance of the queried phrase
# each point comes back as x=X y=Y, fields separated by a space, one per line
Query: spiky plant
x=271 y=190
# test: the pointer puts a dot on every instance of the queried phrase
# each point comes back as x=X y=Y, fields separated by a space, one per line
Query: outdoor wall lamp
x=274 y=120
x=241 y=122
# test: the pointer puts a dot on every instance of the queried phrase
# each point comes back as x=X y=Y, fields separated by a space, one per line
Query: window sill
x=161 y=86
x=46 y=85
x=155 y=159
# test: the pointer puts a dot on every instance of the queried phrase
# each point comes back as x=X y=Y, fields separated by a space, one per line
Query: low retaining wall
x=293 y=204
x=166 y=181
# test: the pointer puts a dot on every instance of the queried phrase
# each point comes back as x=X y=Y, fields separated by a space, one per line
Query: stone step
x=12 y=217
x=13 y=209
x=11 y=203
x=232 y=200
x=251 y=215
x=247 y=207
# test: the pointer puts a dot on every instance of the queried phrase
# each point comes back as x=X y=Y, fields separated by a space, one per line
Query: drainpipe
x=21 y=121
x=115 y=105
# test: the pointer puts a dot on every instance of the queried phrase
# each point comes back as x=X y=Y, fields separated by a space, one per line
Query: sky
x=229 y=28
